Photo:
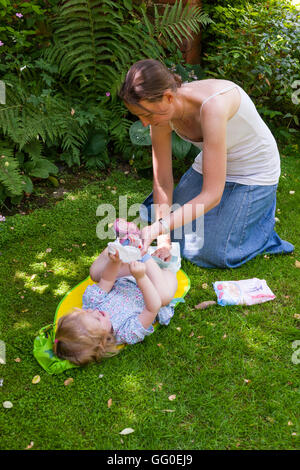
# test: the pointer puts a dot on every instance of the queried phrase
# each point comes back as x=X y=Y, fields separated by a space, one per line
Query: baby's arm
x=151 y=296
x=110 y=272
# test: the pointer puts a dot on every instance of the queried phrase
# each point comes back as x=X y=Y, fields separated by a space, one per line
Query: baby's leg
x=165 y=281
x=99 y=264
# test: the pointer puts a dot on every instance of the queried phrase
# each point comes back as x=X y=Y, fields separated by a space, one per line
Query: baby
x=120 y=307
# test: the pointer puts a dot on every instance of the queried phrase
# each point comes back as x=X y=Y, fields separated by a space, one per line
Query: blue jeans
x=239 y=228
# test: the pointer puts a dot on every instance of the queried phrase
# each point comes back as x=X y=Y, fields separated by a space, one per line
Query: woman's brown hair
x=148 y=80
x=78 y=343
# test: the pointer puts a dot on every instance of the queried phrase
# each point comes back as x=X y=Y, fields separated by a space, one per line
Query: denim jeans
x=239 y=228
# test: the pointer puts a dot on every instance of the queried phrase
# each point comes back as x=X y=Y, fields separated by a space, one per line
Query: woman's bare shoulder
x=206 y=87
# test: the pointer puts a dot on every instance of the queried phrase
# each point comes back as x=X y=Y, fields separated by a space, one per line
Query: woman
x=226 y=200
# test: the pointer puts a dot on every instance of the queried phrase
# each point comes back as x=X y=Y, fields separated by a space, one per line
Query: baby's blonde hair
x=78 y=343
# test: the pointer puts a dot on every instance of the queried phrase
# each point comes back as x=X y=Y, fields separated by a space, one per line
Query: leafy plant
x=176 y=23
x=96 y=147
x=95 y=42
x=62 y=103
x=256 y=45
x=140 y=137
x=10 y=177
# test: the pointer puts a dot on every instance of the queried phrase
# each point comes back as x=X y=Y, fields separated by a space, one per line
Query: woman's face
x=154 y=113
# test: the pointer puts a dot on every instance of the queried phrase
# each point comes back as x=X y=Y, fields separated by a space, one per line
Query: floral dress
x=124 y=303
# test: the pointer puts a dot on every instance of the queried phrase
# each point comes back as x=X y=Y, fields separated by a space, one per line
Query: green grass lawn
x=230 y=368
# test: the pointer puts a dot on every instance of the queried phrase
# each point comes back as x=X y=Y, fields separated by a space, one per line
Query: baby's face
x=98 y=318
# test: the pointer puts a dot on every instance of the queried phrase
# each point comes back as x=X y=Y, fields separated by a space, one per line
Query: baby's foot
x=122 y=228
x=113 y=254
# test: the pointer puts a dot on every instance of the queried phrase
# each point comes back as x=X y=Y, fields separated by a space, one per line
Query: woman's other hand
x=163 y=252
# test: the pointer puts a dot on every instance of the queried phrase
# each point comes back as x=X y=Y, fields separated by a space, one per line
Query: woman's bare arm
x=214 y=122
x=163 y=183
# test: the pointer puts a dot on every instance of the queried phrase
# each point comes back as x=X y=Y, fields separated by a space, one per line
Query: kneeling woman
x=226 y=200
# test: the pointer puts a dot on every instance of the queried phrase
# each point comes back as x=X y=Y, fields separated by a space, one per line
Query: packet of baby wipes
x=245 y=292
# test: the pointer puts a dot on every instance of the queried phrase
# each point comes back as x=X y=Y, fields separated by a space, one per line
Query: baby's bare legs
x=99 y=264
x=163 y=280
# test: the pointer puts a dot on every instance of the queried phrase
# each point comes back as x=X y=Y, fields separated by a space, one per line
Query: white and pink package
x=245 y=292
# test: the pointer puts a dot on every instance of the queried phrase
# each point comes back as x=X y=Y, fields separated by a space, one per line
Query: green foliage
x=140 y=137
x=180 y=147
x=40 y=168
x=176 y=23
x=257 y=46
x=24 y=30
x=9 y=174
x=62 y=83
x=32 y=120
x=95 y=42
x=95 y=150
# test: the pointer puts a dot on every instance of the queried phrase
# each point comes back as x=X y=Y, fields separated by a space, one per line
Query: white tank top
x=252 y=153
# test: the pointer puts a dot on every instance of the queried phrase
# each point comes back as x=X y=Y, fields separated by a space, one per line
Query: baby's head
x=84 y=336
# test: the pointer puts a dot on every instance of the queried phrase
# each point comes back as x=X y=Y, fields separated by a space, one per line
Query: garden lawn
x=230 y=368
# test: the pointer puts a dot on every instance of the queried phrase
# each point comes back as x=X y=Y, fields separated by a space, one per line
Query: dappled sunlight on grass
x=62 y=288
x=21 y=325
x=42 y=255
x=130 y=383
x=257 y=339
x=88 y=260
x=28 y=282
x=74 y=197
x=38 y=268
x=128 y=415
x=60 y=266
x=39 y=289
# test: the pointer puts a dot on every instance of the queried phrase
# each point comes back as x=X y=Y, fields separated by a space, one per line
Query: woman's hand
x=137 y=269
x=149 y=233
x=163 y=252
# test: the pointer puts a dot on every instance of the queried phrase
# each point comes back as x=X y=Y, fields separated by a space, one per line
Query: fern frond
x=93 y=40
x=34 y=148
x=10 y=176
x=179 y=23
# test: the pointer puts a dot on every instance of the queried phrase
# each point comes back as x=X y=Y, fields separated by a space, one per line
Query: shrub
x=256 y=45
x=61 y=105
